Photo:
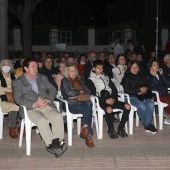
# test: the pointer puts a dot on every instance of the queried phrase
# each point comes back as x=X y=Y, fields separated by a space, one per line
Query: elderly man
x=34 y=91
x=166 y=67
x=88 y=66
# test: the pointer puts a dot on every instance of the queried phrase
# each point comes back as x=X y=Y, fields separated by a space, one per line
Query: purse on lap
x=83 y=97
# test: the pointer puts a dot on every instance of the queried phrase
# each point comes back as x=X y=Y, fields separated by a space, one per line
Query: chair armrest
x=64 y=101
x=157 y=95
x=123 y=96
x=168 y=90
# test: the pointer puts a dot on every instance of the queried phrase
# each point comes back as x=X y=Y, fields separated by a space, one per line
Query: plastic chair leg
x=78 y=125
x=1 y=124
x=28 y=129
x=131 y=121
x=69 y=130
x=21 y=132
x=160 y=108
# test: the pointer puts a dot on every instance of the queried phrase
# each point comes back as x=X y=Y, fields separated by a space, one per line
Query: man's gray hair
x=167 y=56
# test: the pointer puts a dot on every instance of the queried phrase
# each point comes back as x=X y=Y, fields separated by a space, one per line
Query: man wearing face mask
x=6 y=79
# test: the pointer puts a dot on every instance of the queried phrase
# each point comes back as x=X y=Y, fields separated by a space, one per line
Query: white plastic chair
x=161 y=107
x=1 y=122
x=28 y=124
x=101 y=113
x=71 y=117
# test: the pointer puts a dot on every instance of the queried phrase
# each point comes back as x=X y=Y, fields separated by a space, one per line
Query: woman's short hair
x=167 y=56
x=10 y=63
x=117 y=58
x=66 y=70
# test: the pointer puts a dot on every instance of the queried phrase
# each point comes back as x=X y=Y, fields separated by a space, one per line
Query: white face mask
x=6 y=69
x=82 y=63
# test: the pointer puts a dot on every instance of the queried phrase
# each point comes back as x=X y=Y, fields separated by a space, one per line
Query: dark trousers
x=109 y=116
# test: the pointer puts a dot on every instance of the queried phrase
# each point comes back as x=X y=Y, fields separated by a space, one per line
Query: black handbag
x=142 y=97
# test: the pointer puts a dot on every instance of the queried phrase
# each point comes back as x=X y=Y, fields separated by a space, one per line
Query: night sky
x=72 y=14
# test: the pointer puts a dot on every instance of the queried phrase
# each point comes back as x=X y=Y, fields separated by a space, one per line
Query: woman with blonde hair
x=72 y=85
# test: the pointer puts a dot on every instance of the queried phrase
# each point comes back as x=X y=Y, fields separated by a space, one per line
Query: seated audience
x=81 y=61
x=60 y=75
x=72 y=85
x=152 y=56
x=109 y=66
x=37 y=94
x=103 y=87
x=119 y=70
x=88 y=66
x=66 y=55
x=166 y=66
x=140 y=94
x=142 y=64
x=6 y=78
x=49 y=70
x=133 y=56
x=71 y=61
x=62 y=59
x=160 y=83
x=19 y=70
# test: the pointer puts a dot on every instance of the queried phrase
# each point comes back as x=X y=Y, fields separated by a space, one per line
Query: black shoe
x=58 y=155
x=151 y=129
x=112 y=133
x=115 y=120
x=54 y=149
x=122 y=133
x=64 y=147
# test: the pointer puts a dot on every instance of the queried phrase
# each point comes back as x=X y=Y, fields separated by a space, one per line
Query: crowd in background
x=101 y=74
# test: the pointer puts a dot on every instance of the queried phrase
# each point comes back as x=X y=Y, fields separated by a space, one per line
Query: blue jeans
x=84 y=108
x=145 y=109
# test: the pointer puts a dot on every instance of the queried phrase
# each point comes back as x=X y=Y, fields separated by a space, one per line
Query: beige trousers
x=42 y=117
x=8 y=107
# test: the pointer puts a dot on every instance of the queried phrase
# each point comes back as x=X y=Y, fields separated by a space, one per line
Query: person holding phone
x=159 y=82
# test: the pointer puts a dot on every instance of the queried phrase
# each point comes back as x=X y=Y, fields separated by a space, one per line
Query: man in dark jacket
x=88 y=66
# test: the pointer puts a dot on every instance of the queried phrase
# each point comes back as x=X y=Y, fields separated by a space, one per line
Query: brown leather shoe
x=24 y=134
x=12 y=133
x=84 y=133
x=89 y=143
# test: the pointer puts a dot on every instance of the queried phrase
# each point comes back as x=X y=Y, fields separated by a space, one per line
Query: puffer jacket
x=132 y=84
x=91 y=83
x=160 y=85
x=67 y=89
x=101 y=82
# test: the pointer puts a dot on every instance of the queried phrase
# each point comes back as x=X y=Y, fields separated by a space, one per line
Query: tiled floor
x=138 y=151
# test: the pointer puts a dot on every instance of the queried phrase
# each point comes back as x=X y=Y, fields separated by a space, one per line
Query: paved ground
x=139 y=151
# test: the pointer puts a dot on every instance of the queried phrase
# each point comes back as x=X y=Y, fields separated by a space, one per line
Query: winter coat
x=160 y=85
x=67 y=89
x=132 y=84
x=92 y=84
